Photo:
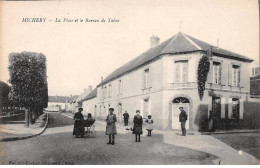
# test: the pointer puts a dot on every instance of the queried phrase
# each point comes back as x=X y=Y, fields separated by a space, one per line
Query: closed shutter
x=185 y=72
x=230 y=74
x=223 y=103
x=230 y=108
x=177 y=72
x=170 y=72
x=241 y=108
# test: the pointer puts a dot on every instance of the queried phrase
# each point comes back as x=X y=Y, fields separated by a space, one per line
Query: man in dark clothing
x=126 y=117
x=182 y=119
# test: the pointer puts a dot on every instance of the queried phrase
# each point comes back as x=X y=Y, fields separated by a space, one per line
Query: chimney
x=154 y=40
x=90 y=88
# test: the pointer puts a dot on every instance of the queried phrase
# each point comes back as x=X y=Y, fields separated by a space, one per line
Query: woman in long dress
x=79 y=124
x=111 y=126
x=138 y=122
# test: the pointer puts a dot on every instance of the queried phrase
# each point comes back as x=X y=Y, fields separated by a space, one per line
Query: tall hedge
x=28 y=80
x=4 y=91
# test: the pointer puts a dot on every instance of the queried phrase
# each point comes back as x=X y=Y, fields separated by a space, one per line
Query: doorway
x=176 y=104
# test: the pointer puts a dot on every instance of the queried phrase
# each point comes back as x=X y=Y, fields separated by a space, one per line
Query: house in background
x=57 y=103
x=164 y=78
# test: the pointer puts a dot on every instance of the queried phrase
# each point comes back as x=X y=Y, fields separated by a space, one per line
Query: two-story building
x=164 y=78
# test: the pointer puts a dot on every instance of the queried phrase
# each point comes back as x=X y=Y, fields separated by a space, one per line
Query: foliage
x=202 y=73
x=28 y=79
x=4 y=91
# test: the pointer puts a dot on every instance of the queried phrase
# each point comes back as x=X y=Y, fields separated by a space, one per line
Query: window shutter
x=230 y=74
x=192 y=70
x=238 y=76
x=210 y=74
x=170 y=72
x=177 y=72
x=223 y=103
x=150 y=77
x=184 y=72
x=241 y=108
x=220 y=74
x=230 y=108
x=144 y=80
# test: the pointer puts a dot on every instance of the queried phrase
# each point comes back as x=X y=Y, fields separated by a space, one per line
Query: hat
x=80 y=109
x=111 y=109
x=137 y=111
x=181 y=108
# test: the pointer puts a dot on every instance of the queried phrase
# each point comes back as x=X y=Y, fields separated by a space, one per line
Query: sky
x=80 y=53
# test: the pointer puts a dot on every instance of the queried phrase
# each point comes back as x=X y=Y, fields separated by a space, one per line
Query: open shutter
x=241 y=108
x=220 y=73
x=210 y=74
x=230 y=74
x=170 y=72
x=229 y=108
x=144 y=80
x=150 y=77
x=238 y=76
x=223 y=103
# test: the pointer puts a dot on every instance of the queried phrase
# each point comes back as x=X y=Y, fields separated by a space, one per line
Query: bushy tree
x=28 y=80
x=4 y=91
x=202 y=72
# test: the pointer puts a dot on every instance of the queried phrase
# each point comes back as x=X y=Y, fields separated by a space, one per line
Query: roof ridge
x=192 y=42
x=173 y=38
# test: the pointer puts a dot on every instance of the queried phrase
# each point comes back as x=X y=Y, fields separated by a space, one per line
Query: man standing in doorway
x=182 y=118
x=126 y=117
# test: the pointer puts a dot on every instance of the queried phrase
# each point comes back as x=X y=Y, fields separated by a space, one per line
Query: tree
x=202 y=72
x=28 y=80
x=4 y=91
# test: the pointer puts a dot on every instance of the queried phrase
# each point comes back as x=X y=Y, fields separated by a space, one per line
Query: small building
x=165 y=77
x=57 y=103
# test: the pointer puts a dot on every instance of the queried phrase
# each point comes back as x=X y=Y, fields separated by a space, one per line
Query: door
x=176 y=112
x=216 y=107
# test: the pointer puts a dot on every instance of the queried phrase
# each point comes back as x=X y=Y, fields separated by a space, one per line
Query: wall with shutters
x=169 y=73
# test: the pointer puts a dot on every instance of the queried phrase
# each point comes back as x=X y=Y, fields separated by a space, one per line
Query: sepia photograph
x=129 y=82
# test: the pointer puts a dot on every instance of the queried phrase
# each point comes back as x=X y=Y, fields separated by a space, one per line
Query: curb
x=30 y=136
x=229 y=132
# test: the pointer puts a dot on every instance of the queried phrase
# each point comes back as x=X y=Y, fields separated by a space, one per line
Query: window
x=235 y=75
x=216 y=73
x=109 y=90
x=120 y=86
x=181 y=71
x=235 y=108
x=146 y=82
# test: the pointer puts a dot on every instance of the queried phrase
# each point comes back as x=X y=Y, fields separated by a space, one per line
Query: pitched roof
x=91 y=95
x=59 y=99
x=179 y=43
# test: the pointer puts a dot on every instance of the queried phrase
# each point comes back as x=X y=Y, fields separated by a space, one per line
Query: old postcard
x=120 y=82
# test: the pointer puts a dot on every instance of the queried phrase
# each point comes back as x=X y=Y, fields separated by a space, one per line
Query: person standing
x=79 y=124
x=182 y=119
x=138 y=122
x=111 y=126
x=126 y=117
x=149 y=125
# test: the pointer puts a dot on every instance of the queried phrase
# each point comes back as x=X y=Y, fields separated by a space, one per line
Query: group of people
x=137 y=128
x=80 y=123
x=111 y=120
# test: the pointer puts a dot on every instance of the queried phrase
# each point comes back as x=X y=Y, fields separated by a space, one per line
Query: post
x=26 y=124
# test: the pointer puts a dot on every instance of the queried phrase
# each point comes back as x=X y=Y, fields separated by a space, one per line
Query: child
x=149 y=125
